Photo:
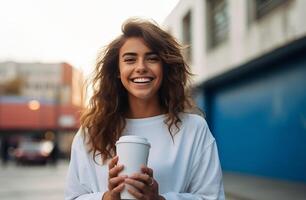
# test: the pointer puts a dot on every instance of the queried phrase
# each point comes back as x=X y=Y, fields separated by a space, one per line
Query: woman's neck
x=143 y=109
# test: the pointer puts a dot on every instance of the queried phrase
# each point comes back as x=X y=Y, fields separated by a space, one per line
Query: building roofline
x=257 y=64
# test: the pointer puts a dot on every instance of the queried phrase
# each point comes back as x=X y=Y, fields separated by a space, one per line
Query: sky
x=70 y=31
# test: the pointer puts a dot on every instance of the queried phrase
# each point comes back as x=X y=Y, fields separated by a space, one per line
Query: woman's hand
x=115 y=182
x=144 y=185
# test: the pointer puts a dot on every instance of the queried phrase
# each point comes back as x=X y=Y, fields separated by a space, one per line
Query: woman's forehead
x=134 y=45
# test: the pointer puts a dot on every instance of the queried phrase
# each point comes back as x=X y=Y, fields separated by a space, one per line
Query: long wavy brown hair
x=104 y=119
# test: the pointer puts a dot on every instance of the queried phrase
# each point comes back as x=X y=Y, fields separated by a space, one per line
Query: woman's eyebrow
x=151 y=53
x=135 y=54
x=129 y=54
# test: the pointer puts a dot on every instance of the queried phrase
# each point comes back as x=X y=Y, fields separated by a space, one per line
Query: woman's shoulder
x=196 y=125
x=194 y=119
x=79 y=138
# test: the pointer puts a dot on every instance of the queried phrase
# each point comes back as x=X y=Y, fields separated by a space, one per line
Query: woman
x=140 y=89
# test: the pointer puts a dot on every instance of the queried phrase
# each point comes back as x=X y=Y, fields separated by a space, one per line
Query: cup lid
x=133 y=139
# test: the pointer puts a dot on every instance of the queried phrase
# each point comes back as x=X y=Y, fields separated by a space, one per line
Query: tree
x=12 y=87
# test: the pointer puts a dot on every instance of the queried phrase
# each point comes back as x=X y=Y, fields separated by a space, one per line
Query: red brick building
x=40 y=98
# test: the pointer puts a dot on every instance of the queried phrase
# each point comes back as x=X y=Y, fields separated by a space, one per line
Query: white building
x=223 y=34
x=249 y=57
x=51 y=82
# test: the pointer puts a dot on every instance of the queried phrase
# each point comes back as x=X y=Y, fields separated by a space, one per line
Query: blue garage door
x=260 y=122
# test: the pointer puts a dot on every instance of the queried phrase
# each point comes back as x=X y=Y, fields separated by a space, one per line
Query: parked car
x=33 y=152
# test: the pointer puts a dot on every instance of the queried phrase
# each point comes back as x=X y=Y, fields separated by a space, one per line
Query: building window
x=218 y=22
x=187 y=36
x=262 y=7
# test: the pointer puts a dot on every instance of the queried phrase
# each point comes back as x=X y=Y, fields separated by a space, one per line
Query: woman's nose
x=141 y=66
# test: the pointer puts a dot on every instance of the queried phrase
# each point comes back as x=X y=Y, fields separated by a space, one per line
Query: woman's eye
x=153 y=59
x=129 y=60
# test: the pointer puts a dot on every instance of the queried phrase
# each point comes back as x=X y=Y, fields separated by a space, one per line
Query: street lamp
x=33 y=105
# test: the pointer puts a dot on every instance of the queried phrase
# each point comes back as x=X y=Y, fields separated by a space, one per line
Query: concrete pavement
x=245 y=187
x=32 y=182
x=48 y=182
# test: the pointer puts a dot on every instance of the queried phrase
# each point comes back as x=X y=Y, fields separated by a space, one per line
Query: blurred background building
x=250 y=65
x=39 y=101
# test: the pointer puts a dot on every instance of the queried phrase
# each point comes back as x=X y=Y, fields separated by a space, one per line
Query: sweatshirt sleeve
x=79 y=179
x=206 y=178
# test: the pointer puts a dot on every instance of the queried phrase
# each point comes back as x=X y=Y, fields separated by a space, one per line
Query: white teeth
x=141 y=80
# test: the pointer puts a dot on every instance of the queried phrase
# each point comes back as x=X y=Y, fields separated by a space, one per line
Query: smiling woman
x=141 y=74
x=140 y=89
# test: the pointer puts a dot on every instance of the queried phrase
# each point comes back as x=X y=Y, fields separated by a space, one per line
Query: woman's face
x=140 y=70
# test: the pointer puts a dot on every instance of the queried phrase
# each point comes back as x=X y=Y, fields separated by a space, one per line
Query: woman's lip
x=142 y=79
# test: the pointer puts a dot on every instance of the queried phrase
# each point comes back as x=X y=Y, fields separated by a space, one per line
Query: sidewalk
x=244 y=187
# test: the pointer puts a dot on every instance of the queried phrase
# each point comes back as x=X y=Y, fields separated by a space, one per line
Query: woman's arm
x=206 y=181
x=82 y=181
x=79 y=168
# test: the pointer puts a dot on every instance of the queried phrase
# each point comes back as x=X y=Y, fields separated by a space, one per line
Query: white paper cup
x=133 y=151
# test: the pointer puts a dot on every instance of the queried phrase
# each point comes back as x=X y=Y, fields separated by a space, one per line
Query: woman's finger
x=113 y=172
x=118 y=189
x=113 y=182
x=136 y=194
x=113 y=162
x=147 y=170
x=145 y=178
x=135 y=183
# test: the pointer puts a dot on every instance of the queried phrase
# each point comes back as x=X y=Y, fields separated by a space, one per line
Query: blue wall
x=259 y=121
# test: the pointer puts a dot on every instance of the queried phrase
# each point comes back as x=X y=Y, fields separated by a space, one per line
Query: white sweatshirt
x=186 y=168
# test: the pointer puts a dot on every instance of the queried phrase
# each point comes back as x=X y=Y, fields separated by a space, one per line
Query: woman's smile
x=142 y=80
